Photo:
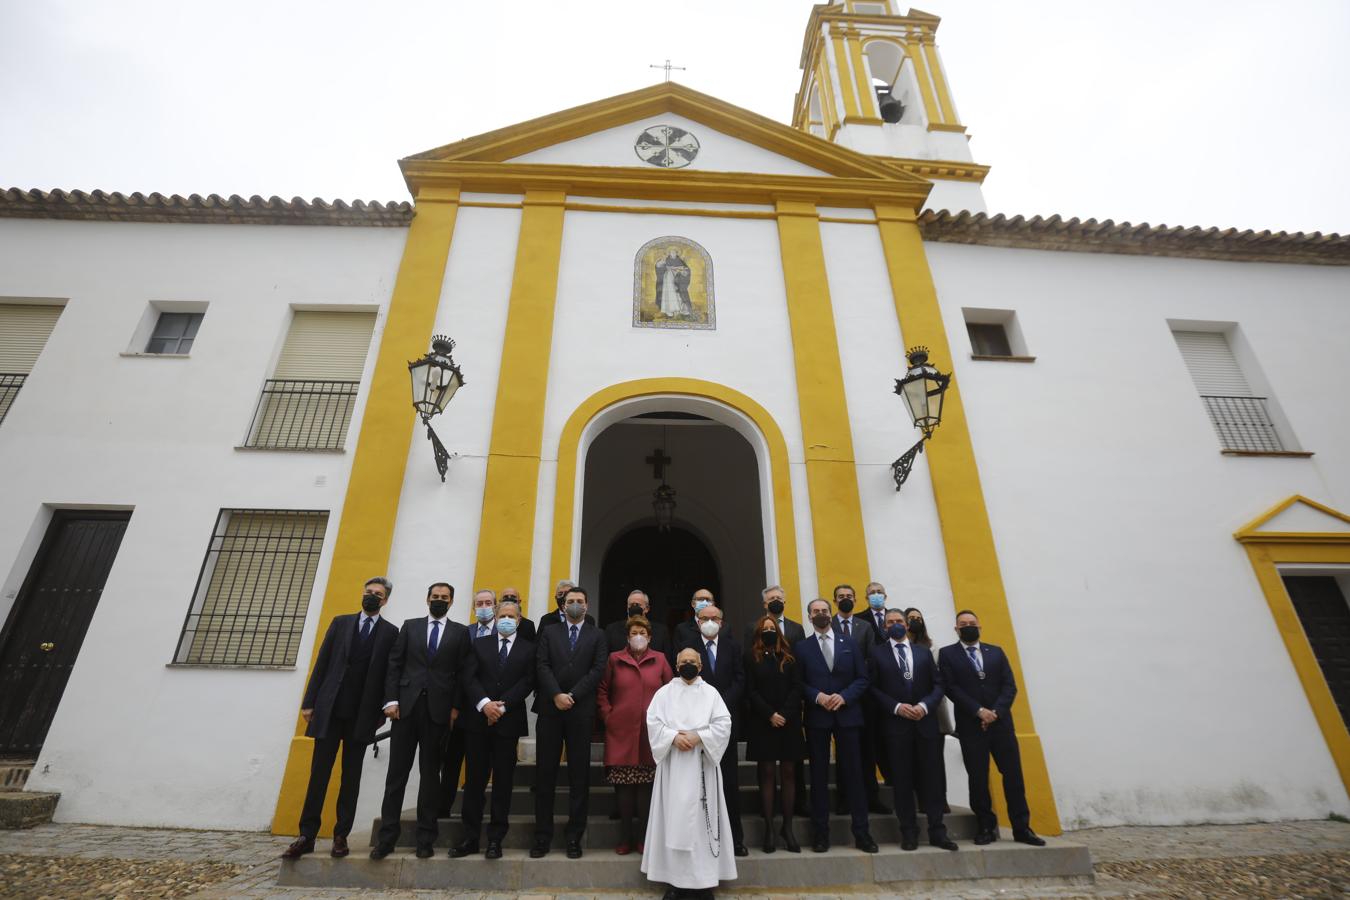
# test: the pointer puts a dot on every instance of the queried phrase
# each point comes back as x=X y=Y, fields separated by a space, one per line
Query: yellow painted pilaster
x=943 y=94
x=845 y=80
x=972 y=561
x=914 y=48
x=826 y=88
x=509 y=496
x=866 y=95
x=366 y=531
x=831 y=476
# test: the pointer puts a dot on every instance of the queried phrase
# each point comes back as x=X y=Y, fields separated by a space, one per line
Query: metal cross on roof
x=668 y=67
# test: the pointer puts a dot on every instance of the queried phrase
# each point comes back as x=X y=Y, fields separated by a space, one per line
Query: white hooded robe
x=688 y=843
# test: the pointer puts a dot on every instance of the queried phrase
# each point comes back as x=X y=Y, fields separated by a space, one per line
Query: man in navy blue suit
x=979 y=679
x=907 y=687
x=834 y=679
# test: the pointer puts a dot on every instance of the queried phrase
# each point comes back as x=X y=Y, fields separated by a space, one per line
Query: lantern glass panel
x=916 y=398
x=422 y=387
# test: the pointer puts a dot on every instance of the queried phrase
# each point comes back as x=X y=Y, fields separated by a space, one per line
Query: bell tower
x=873 y=81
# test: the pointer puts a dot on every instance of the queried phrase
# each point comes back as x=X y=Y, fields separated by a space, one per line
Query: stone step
x=603 y=833
x=997 y=866
x=26 y=809
x=526 y=772
x=14 y=773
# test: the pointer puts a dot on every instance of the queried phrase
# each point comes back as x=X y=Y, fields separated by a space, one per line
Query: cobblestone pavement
x=1289 y=859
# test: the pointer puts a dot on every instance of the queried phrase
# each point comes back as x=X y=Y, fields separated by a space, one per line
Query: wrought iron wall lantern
x=435 y=379
x=923 y=389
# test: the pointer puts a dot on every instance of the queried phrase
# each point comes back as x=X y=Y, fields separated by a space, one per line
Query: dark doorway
x=1322 y=609
x=668 y=565
x=48 y=622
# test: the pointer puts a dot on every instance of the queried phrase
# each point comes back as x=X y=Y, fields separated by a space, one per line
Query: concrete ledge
x=25 y=809
x=1008 y=864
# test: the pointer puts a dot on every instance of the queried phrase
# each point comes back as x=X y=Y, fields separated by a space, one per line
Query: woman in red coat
x=632 y=676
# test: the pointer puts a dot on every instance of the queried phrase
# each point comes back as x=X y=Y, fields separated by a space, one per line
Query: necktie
x=573 y=638
x=501 y=657
x=881 y=620
x=975 y=660
x=712 y=657
x=845 y=623
x=435 y=639
x=365 y=629
x=827 y=649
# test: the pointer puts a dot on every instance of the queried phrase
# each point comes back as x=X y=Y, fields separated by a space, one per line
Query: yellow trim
x=825 y=84
x=1266 y=552
x=845 y=79
x=564 y=502
x=366 y=531
x=871 y=115
x=675 y=211
x=972 y=560
x=510 y=491
x=946 y=126
x=915 y=55
x=935 y=68
x=827 y=437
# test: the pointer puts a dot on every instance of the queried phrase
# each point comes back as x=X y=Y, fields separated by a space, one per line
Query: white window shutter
x=1212 y=365
x=326 y=346
x=24 y=329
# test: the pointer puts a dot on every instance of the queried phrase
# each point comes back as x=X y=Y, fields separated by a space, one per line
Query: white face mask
x=709 y=628
x=637 y=642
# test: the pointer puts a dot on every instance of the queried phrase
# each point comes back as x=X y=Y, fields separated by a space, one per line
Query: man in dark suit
x=553 y=618
x=907 y=687
x=426 y=666
x=979 y=679
x=724 y=669
x=526 y=628
x=834 y=679
x=875 y=611
x=616 y=633
x=775 y=605
x=866 y=637
x=686 y=633
x=494 y=722
x=570 y=659
x=342 y=707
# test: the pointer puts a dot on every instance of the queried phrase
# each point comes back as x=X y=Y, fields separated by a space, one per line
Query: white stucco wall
x=134 y=741
x=1160 y=688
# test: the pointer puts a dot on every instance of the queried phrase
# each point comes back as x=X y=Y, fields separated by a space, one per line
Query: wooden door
x=1322 y=609
x=48 y=622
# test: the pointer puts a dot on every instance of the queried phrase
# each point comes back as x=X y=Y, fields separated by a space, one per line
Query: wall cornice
x=213 y=209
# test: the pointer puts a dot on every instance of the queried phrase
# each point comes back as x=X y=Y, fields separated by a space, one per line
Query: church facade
x=1140 y=480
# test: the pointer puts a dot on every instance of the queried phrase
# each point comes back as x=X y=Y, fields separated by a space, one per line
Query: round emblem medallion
x=666 y=146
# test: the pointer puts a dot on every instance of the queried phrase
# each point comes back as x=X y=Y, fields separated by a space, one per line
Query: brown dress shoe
x=298 y=848
x=340 y=848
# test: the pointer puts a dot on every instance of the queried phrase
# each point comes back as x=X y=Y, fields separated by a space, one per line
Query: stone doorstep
x=26 y=809
x=1060 y=862
x=14 y=774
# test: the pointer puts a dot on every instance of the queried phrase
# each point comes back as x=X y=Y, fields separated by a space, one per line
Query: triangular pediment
x=732 y=139
x=1297 y=515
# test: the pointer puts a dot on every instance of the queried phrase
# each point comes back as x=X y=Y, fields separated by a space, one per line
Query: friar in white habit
x=688 y=842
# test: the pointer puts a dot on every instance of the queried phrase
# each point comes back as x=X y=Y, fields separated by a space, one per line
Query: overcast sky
x=1189 y=112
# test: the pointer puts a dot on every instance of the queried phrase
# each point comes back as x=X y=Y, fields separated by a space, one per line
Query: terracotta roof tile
x=211 y=209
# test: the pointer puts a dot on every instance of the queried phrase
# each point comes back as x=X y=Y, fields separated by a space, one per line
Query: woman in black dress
x=773 y=729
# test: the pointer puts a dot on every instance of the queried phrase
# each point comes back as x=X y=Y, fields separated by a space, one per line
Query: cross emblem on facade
x=658 y=461
x=668 y=67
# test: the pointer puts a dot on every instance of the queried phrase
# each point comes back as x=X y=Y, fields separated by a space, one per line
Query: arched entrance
x=668 y=565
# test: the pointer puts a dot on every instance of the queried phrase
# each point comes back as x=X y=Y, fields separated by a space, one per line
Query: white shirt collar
x=827 y=633
x=900 y=643
x=975 y=646
x=366 y=617
x=443 y=619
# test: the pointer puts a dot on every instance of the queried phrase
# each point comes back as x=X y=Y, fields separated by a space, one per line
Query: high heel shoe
x=769 y=845
x=789 y=839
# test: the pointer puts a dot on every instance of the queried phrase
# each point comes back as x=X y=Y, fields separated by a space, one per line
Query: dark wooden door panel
x=1325 y=615
x=49 y=620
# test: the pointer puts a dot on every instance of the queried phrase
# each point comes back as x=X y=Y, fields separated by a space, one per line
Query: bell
x=892 y=110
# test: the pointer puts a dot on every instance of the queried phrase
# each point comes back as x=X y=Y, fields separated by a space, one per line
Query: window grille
x=1240 y=419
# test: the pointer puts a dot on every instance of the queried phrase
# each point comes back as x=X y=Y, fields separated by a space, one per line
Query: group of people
x=672 y=708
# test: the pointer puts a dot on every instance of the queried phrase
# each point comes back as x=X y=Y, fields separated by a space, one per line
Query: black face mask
x=775 y=607
x=370 y=603
x=769 y=638
x=917 y=629
x=634 y=610
x=688 y=671
x=969 y=633
x=846 y=605
x=821 y=621
x=438 y=608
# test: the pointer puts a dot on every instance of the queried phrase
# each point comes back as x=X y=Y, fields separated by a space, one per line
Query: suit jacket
x=969 y=692
x=865 y=612
x=728 y=676
x=511 y=683
x=411 y=671
x=848 y=679
x=331 y=666
x=863 y=632
x=889 y=688
x=524 y=629
x=792 y=631
x=616 y=638
x=555 y=617
x=561 y=670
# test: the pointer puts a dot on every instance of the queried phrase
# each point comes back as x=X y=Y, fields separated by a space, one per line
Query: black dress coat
x=767 y=691
x=511 y=683
x=330 y=668
x=411 y=671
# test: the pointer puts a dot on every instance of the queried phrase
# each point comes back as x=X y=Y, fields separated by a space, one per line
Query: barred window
x=1241 y=419
x=253 y=591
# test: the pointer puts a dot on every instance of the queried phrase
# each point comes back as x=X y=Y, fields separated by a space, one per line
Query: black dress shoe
x=984 y=837
x=876 y=807
x=298 y=848
x=539 y=848
x=380 y=851
x=494 y=850
x=820 y=845
x=943 y=843
x=741 y=850
x=865 y=843
x=909 y=841
x=463 y=849
x=1027 y=836
x=789 y=839
x=574 y=849
x=425 y=851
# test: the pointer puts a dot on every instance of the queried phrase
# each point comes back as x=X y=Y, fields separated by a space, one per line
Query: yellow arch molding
x=569 y=443
x=1267 y=550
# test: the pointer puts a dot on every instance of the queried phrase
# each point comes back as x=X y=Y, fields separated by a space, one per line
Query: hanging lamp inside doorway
x=663 y=498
